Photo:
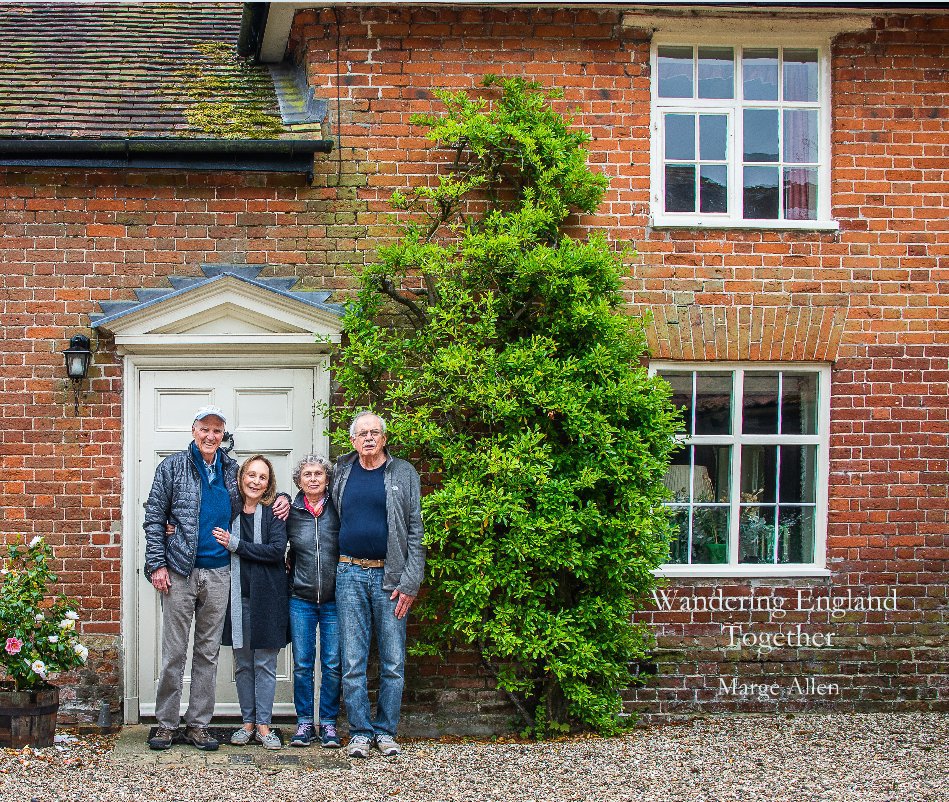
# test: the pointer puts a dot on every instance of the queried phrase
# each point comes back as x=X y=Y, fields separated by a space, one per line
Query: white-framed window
x=741 y=133
x=749 y=485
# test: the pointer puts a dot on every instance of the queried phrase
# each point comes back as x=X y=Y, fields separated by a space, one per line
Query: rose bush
x=37 y=629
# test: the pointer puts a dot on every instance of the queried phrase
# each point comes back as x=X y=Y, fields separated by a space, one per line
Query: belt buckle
x=362 y=562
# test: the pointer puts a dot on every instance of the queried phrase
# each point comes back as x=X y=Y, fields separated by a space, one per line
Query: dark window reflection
x=680 y=188
x=711 y=474
x=760 y=410
x=799 y=403
x=760 y=199
x=713 y=188
x=713 y=401
x=681 y=395
x=797 y=479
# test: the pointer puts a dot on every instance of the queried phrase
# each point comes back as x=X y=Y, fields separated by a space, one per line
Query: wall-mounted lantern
x=78 y=356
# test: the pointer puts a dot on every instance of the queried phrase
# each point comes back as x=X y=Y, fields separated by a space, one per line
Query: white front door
x=269 y=411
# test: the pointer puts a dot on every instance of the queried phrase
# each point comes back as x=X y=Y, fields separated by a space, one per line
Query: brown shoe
x=162 y=739
x=201 y=738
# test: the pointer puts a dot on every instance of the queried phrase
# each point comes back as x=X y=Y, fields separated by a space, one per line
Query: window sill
x=740 y=571
x=743 y=225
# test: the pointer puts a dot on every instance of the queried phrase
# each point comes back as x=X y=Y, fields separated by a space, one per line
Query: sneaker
x=387 y=745
x=162 y=739
x=328 y=737
x=269 y=741
x=359 y=746
x=304 y=734
x=201 y=738
x=242 y=737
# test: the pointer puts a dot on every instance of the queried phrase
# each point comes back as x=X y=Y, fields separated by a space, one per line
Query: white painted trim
x=697 y=36
x=822 y=480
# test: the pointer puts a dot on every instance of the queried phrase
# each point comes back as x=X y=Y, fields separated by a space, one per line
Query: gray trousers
x=255 y=672
x=203 y=597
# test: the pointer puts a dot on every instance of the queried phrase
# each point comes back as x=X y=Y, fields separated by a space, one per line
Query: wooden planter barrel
x=28 y=718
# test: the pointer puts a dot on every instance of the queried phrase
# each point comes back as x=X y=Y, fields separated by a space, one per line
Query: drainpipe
x=253 y=25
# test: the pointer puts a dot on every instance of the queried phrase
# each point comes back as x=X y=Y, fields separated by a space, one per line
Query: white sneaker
x=387 y=745
x=359 y=746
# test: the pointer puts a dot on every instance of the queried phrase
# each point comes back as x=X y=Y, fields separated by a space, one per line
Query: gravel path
x=801 y=758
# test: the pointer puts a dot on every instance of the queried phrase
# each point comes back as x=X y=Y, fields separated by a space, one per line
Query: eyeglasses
x=375 y=434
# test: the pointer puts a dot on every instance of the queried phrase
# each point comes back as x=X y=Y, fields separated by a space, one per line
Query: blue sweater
x=215 y=511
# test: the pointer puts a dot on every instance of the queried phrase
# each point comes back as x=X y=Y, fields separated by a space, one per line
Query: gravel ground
x=801 y=758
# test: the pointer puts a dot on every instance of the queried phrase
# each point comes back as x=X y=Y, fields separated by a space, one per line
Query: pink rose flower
x=14 y=645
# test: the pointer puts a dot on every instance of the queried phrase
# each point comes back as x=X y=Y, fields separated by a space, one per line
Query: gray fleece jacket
x=405 y=555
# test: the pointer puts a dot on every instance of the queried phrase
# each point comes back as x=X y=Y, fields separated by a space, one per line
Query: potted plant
x=37 y=639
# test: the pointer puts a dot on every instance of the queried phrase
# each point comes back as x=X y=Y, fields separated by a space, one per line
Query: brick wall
x=868 y=299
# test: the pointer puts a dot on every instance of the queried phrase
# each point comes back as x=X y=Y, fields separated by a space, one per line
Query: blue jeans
x=305 y=617
x=363 y=607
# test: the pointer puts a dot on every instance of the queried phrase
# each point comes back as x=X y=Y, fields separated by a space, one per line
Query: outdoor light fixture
x=78 y=356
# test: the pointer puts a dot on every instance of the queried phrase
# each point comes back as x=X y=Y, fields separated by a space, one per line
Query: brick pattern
x=868 y=296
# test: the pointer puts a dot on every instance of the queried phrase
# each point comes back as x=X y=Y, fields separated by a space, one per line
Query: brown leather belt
x=361 y=562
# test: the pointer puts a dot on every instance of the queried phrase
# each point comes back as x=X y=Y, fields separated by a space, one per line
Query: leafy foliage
x=496 y=347
x=37 y=630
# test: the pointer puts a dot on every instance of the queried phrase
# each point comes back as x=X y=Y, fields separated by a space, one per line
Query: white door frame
x=133 y=364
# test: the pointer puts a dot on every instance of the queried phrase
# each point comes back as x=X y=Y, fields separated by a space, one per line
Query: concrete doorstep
x=131 y=747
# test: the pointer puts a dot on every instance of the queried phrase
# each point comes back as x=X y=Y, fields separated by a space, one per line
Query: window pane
x=678 y=473
x=796 y=535
x=713 y=401
x=680 y=188
x=800 y=75
x=800 y=135
x=800 y=193
x=756 y=535
x=760 y=193
x=760 y=74
x=681 y=395
x=713 y=131
x=761 y=135
x=675 y=72
x=799 y=403
x=679 y=547
x=798 y=475
x=711 y=474
x=760 y=409
x=713 y=188
x=716 y=72
x=680 y=137
x=710 y=535
x=759 y=471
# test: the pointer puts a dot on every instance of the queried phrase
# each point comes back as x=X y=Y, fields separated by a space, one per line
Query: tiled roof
x=146 y=70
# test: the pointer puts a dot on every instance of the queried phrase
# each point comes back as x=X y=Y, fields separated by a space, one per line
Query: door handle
x=229 y=440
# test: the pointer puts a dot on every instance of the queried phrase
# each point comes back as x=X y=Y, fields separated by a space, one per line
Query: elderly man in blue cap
x=194 y=491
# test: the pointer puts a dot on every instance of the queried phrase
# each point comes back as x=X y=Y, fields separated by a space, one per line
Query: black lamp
x=77 y=357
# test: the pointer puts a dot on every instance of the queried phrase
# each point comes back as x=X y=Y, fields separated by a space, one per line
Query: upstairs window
x=749 y=484
x=740 y=136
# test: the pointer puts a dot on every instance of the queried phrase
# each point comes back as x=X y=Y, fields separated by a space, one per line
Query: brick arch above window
x=746 y=333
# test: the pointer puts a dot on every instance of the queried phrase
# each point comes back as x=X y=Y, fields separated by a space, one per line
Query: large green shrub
x=497 y=348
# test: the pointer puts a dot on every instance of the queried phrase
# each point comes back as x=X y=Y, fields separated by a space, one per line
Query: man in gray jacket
x=194 y=491
x=381 y=562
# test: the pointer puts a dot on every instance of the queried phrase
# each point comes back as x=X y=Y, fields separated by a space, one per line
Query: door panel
x=270 y=412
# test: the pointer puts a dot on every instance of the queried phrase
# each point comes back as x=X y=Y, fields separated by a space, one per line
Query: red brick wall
x=866 y=298
x=872 y=292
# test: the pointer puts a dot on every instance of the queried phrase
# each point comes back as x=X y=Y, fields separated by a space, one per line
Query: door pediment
x=228 y=308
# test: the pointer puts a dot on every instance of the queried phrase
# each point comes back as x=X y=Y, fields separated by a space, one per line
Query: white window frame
x=736 y=440
x=733 y=107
